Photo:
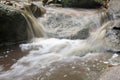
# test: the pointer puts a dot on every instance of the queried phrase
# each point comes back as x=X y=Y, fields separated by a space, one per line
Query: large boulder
x=13 y=26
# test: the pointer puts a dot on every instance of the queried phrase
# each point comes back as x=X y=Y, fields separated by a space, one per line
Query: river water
x=52 y=59
x=59 y=59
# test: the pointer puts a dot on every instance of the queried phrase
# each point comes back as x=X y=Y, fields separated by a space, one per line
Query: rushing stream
x=60 y=59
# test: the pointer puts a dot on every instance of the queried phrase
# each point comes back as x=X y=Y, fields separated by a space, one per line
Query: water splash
x=43 y=53
x=35 y=28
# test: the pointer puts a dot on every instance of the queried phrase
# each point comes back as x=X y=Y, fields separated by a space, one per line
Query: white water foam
x=44 y=52
x=41 y=54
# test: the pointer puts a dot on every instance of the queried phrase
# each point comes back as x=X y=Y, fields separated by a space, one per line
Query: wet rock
x=114 y=9
x=113 y=32
x=13 y=26
x=113 y=36
x=34 y=7
x=38 y=11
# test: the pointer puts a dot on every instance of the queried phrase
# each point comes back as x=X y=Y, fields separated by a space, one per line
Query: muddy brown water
x=9 y=55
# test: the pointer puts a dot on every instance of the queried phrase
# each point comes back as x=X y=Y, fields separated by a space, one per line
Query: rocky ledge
x=13 y=26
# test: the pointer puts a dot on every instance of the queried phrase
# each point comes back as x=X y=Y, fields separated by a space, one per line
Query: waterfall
x=34 y=29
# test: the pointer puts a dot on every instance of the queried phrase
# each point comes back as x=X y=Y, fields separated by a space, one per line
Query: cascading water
x=47 y=55
x=64 y=59
x=34 y=27
x=83 y=20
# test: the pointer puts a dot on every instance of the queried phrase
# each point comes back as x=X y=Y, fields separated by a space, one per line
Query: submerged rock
x=13 y=24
